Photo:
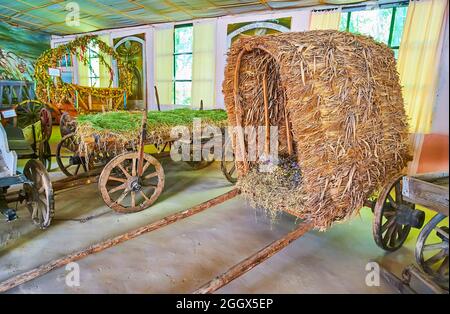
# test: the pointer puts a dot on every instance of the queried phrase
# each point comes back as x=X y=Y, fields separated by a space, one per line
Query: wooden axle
x=98 y=247
x=252 y=261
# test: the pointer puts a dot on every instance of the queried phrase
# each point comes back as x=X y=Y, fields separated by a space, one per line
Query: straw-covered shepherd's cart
x=342 y=132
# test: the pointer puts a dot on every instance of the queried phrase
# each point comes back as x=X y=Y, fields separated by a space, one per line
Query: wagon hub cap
x=134 y=184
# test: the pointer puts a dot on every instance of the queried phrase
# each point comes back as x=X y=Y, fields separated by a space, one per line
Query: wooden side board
x=428 y=194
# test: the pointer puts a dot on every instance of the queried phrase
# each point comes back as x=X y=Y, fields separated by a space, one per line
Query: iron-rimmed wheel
x=432 y=250
x=39 y=194
x=389 y=234
x=124 y=190
x=68 y=158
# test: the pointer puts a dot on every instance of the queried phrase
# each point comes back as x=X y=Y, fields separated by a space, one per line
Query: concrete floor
x=181 y=257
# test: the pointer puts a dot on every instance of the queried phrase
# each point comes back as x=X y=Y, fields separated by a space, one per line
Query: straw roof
x=341 y=95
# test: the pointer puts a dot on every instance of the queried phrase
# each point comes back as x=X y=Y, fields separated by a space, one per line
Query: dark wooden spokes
x=67 y=124
x=388 y=233
x=39 y=194
x=432 y=249
x=124 y=190
x=68 y=158
x=46 y=124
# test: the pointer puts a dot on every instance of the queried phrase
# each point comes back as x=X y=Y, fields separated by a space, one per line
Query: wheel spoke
x=390 y=221
x=133 y=199
x=435 y=258
x=388 y=235
x=133 y=167
x=121 y=197
x=123 y=170
x=393 y=235
x=144 y=196
x=435 y=246
x=151 y=175
x=443 y=269
x=77 y=169
x=391 y=201
x=147 y=164
x=117 y=188
x=117 y=179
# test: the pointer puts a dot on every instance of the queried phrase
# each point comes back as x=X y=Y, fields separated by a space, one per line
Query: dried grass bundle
x=337 y=95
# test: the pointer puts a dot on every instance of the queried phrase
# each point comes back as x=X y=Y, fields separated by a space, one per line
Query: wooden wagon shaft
x=252 y=261
x=95 y=248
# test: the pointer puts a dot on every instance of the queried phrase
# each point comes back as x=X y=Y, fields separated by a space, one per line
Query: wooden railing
x=12 y=92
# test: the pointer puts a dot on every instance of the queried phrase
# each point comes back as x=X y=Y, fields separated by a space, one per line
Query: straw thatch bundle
x=337 y=96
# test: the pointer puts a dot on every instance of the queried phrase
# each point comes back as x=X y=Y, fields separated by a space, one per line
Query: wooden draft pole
x=95 y=248
x=252 y=261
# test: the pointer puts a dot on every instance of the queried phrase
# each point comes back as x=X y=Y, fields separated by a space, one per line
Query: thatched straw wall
x=344 y=104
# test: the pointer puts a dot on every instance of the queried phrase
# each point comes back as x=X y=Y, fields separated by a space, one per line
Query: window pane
x=183 y=39
x=395 y=53
x=66 y=77
x=399 y=22
x=343 y=22
x=183 y=93
x=374 y=23
x=66 y=61
x=94 y=68
x=183 y=67
x=94 y=81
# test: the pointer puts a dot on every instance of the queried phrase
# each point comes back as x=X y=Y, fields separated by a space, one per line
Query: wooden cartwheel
x=126 y=187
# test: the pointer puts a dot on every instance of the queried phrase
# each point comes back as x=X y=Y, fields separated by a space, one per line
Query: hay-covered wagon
x=112 y=144
x=336 y=101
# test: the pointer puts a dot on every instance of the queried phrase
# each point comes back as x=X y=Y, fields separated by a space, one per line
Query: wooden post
x=142 y=144
x=252 y=261
x=201 y=104
x=157 y=98
x=266 y=114
x=90 y=101
x=95 y=248
x=288 y=131
x=240 y=142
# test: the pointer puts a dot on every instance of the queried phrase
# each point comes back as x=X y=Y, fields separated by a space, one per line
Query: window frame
x=392 y=6
x=91 y=53
x=175 y=54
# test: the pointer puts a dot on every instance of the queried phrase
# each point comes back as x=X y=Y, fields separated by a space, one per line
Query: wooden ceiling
x=49 y=16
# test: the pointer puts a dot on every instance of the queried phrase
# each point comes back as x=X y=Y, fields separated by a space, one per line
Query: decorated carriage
x=63 y=97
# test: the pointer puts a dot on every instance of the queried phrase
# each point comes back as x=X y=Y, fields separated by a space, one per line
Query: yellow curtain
x=325 y=19
x=83 y=72
x=204 y=64
x=105 y=76
x=163 y=43
x=418 y=60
